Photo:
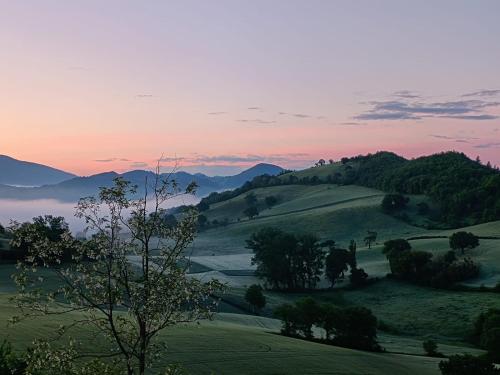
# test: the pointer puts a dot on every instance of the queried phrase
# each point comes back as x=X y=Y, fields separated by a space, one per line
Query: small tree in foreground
x=255 y=297
x=115 y=282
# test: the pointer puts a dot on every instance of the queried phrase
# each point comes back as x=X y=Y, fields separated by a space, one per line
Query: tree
x=463 y=240
x=251 y=212
x=394 y=202
x=251 y=199
x=321 y=162
x=358 y=276
x=431 y=348
x=466 y=364
x=275 y=256
x=311 y=257
x=271 y=201
x=286 y=261
x=50 y=228
x=127 y=303
x=308 y=313
x=202 y=221
x=330 y=161
x=336 y=263
x=255 y=297
x=370 y=238
x=357 y=328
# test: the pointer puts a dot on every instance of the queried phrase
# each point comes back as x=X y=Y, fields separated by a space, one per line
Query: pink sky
x=90 y=86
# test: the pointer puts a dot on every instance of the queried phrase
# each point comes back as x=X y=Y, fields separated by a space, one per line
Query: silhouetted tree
x=370 y=238
x=255 y=297
x=463 y=240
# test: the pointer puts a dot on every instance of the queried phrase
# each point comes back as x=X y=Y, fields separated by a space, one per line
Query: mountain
x=74 y=188
x=24 y=173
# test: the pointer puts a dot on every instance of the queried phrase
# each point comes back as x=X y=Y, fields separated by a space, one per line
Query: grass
x=334 y=212
x=237 y=344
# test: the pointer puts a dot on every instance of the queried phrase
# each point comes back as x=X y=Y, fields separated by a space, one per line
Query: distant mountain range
x=24 y=173
x=50 y=183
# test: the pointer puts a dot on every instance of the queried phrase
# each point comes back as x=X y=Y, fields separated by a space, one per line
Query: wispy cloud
x=139 y=164
x=109 y=160
x=217 y=113
x=406 y=94
x=488 y=145
x=416 y=110
x=483 y=93
x=257 y=121
x=255 y=108
x=144 y=96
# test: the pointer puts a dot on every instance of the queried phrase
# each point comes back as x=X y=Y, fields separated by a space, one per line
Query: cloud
x=139 y=164
x=416 y=110
x=257 y=121
x=105 y=160
x=352 y=123
x=217 y=113
x=483 y=93
x=255 y=108
x=300 y=115
x=406 y=94
x=458 y=139
x=144 y=96
x=109 y=160
x=488 y=145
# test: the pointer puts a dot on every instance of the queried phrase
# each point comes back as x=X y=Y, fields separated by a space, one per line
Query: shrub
x=467 y=364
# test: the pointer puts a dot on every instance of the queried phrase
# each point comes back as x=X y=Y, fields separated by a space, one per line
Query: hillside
x=23 y=173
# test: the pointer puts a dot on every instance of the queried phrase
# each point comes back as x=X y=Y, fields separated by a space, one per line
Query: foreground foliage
x=125 y=281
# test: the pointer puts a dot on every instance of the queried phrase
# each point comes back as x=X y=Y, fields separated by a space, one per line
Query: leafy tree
x=466 y=364
x=329 y=317
x=311 y=257
x=431 y=348
x=394 y=202
x=251 y=212
x=43 y=228
x=396 y=246
x=255 y=297
x=275 y=257
x=357 y=329
x=370 y=238
x=271 y=201
x=286 y=261
x=330 y=161
x=128 y=304
x=251 y=199
x=463 y=240
x=320 y=162
x=2 y=231
x=336 y=263
x=358 y=276
x=288 y=315
x=308 y=313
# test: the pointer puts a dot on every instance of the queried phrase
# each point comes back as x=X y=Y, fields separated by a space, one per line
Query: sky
x=218 y=86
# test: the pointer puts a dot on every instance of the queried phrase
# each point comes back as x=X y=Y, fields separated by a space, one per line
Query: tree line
x=291 y=262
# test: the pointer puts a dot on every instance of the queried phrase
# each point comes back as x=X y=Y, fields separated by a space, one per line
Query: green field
x=239 y=343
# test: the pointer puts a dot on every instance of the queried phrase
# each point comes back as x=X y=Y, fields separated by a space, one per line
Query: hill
x=74 y=188
x=23 y=173
x=462 y=191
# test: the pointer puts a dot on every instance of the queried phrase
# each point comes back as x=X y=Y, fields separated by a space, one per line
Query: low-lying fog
x=24 y=210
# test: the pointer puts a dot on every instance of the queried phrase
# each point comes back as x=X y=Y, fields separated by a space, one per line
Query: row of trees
x=353 y=327
x=296 y=262
x=420 y=267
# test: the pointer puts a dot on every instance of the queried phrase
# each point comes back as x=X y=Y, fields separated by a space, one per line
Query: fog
x=24 y=210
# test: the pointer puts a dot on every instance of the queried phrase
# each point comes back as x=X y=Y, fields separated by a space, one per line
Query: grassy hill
x=238 y=344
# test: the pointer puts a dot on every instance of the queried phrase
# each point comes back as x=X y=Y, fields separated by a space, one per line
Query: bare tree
x=129 y=280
